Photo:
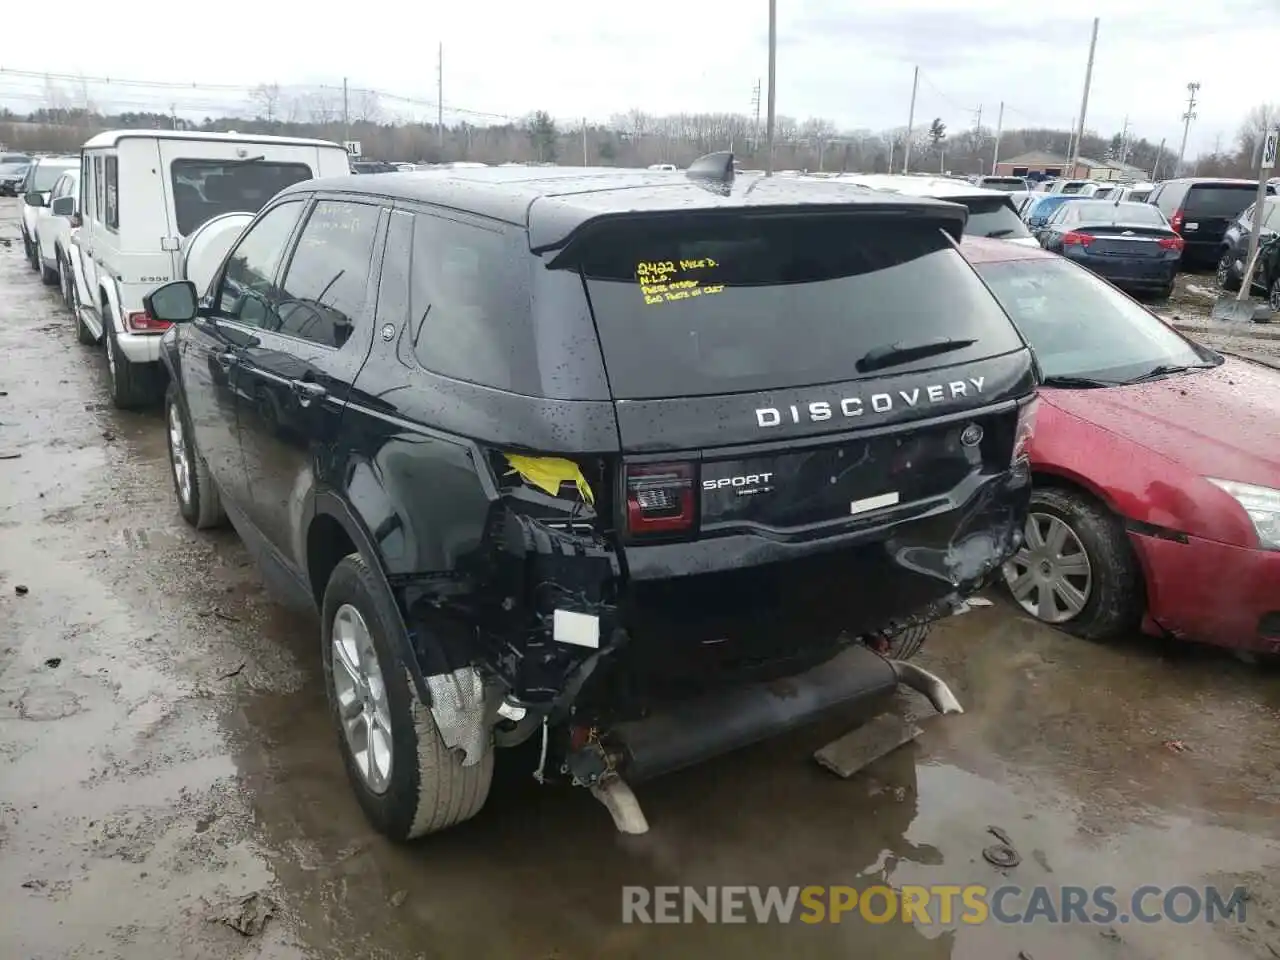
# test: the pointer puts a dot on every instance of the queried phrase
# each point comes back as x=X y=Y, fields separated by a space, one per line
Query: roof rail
x=713 y=166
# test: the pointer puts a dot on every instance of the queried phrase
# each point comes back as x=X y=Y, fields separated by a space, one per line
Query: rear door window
x=1219 y=201
x=994 y=218
x=712 y=305
x=203 y=189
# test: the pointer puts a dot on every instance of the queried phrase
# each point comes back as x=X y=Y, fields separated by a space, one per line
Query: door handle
x=307 y=390
x=226 y=360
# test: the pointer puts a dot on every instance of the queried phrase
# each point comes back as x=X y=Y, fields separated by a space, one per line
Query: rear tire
x=427 y=789
x=907 y=644
x=1273 y=295
x=1226 y=273
x=130 y=384
x=198 y=498
x=48 y=275
x=84 y=335
x=1115 y=599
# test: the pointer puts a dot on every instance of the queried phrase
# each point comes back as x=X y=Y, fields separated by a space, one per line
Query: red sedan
x=1156 y=500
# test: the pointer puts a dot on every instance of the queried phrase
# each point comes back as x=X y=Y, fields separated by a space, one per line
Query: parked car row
x=613 y=551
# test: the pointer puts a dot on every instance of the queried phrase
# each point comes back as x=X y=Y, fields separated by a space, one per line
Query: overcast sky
x=846 y=61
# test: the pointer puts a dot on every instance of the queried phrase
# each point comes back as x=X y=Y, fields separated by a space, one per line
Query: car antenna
x=713 y=166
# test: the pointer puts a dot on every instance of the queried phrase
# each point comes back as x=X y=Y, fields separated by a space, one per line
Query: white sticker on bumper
x=577 y=629
x=873 y=503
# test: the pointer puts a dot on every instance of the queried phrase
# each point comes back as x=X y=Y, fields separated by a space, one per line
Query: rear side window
x=323 y=294
x=204 y=189
x=994 y=218
x=1219 y=201
x=696 y=307
x=1169 y=196
x=111 y=193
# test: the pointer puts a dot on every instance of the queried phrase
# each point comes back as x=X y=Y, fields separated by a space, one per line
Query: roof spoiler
x=713 y=166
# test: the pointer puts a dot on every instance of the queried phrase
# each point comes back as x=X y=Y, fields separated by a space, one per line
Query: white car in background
x=41 y=176
x=53 y=229
x=992 y=213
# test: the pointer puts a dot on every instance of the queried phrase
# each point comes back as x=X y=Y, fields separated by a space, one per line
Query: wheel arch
x=1069 y=482
x=332 y=533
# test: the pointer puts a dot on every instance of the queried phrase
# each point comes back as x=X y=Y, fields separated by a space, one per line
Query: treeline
x=639 y=139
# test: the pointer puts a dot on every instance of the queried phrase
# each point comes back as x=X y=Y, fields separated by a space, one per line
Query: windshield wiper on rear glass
x=1167 y=370
x=893 y=354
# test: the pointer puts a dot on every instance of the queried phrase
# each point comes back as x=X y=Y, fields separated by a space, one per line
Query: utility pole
x=1192 y=90
x=1124 y=142
x=1159 y=157
x=995 y=153
x=440 y=96
x=1071 y=142
x=773 y=83
x=173 y=113
x=911 y=120
x=346 y=116
x=1084 y=100
x=977 y=129
x=755 y=103
x=584 y=142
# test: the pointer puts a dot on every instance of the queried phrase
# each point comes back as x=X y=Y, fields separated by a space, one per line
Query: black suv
x=1235 y=244
x=1199 y=210
x=636 y=466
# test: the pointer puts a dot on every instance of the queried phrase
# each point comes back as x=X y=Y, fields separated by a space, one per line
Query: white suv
x=142 y=193
x=41 y=177
x=53 y=228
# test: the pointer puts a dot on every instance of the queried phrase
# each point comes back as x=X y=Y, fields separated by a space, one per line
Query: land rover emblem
x=388 y=331
x=972 y=435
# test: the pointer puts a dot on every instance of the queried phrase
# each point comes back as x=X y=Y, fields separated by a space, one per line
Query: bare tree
x=367 y=108
x=322 y=106
x=1261 y=119
x=265 y=98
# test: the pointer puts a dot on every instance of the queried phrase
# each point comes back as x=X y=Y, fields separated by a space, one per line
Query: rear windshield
x=47 y=175
x=204 y=189
x=1140 y=196
x=700 y=307
x=1219 y=201
x=1073 y=187
x=994 y=218
x=14 y=166
x=1136 y=214
x=1010 y=184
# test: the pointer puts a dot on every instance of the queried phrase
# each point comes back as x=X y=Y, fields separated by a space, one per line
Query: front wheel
x=1076 y=569
x=905 y=645
x=405 y=779
x=1273 y=295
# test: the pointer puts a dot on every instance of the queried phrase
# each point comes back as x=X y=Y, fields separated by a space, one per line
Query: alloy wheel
x=178 y=454
x=1050 y=577
x=1224 y=270
x=361 y=695
x=1273 y=297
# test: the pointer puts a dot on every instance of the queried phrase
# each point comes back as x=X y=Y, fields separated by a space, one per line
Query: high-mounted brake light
x=660 y=498
x=1025 y=432
x=1074 y=239
x=142 y=322
x=1172 y=243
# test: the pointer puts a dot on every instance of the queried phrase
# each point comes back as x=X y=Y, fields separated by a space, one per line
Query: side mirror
x=34 y=199
x=63 y=206
x=175 y=302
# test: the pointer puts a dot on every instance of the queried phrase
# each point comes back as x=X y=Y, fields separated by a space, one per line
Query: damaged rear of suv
x=636 y=468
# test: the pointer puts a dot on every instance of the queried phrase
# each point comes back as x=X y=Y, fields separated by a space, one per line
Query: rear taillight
x=142 y=322
x=660 y=498
x=1177 y=220
x=1074 y=239
x=1025 y=432
x=1173 y=243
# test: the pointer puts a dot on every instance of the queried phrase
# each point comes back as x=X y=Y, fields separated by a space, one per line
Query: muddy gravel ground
x=170 y=786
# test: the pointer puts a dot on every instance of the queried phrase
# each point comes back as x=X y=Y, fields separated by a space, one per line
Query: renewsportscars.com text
x=940 y=904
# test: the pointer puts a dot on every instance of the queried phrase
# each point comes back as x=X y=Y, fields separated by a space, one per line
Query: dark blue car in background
x=1037 y=214
x=1130 y=244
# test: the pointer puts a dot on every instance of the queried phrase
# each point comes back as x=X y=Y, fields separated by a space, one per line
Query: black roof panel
x=552 y=202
